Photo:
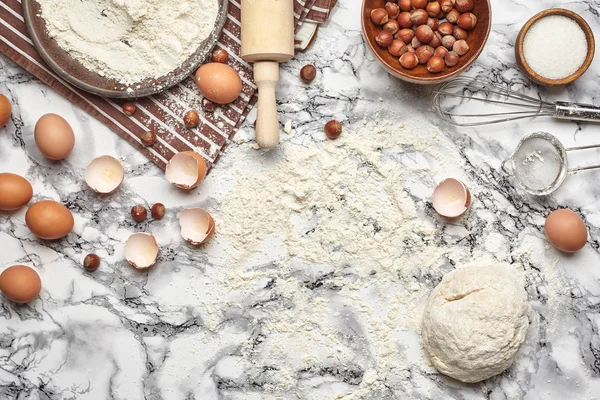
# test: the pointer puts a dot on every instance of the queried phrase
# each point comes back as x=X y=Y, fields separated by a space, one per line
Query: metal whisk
x=473 y=102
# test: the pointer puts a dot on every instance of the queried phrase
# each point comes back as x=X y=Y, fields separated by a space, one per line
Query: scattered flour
x=130 y=40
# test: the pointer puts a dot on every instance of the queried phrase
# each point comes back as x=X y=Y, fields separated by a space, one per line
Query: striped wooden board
x=161 y=113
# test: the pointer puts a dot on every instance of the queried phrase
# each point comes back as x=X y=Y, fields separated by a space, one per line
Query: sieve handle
x=576 y=112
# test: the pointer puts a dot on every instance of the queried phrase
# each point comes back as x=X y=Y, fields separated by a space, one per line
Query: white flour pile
x=130 y=40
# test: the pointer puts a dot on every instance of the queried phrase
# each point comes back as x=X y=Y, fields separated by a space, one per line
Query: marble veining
x=175 y=333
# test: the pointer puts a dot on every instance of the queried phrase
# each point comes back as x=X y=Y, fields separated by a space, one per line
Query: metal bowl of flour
x=72 y=72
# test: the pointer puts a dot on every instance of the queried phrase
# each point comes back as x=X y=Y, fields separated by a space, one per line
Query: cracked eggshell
x=104 y=174
x=141 y=250
x=451 y=198
x=186 y=170
x=197 y=225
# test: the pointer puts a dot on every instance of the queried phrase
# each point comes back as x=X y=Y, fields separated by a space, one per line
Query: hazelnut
x=333 y=129
x=308 y=73
x=415 y=43
x=440 y=51
x=448 y=42
x=405 y=5
x=406 y=35
x=91 y=262
x=208 y=105
x=452 y=16
x=435 y=64
x=445 y=28
x=436 y=41
x=220 y=56
x=139 y=213
x=384 y=38
x=424 y=34
x=191 y=119
x=419 y=17
x=441 y=15
x=404 y=20
x=405 y=49
x=379 y=16
x=158 y=211
x=129 y=109
x=433 y=8
x=459 y=33
x=148 y=138
x=467 y=21
x=409 y=60
x=433 y=23
x=460 y=47
x=446 y=5
x=396 y=46
x=464 y=6
x=451 y=59
x=393 y=9
x=416 y=4
x=424 y=53
x=391 y=26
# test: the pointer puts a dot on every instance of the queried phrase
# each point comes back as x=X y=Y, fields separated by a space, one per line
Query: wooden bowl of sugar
x=555 y=47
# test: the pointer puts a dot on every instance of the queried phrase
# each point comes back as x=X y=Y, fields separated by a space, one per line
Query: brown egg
x=54 y=136
x=218 y=82
x=5 y=110
x=49 y=220
x=566 y=231
x=20 y=283
x=15 y=192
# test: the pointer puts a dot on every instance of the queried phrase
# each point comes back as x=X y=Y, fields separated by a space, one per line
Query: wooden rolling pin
x=267 y=40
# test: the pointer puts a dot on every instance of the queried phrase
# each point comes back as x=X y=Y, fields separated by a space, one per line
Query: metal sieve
x=539 y=164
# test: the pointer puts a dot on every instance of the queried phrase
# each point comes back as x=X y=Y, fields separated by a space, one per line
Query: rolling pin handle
x=266 y=76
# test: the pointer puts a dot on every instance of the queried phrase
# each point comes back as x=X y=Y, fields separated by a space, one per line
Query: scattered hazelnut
x=405 y=5
x=460 y=47
x=406 y=35
x=391 y=26
x=445 y=28
x=433 y=8
x=419 y=17
x=333 y=129
x=220 y=56
x=416 y=4
x=396 y=46
x=448 y=41
x=424 y=34
x=379 y=16
x=393 y=9
x=451 y=59
x=139 y=213
x=459 y=33
x=464 y=6
x=384 y=38
x=208 y=105
x=452 y=16
x=433 y=23
x=436 y=41
x=415 y=43
x=404 y=20
x=129 y=109
x=435 y=64
x=191 y=119
x=308 y=73
x=158 y=211
x=148 y=138
x=91 y=262
x=424 y=53
x=440 y=51
x=467 y=21
x=409 y=60
x=446 y=5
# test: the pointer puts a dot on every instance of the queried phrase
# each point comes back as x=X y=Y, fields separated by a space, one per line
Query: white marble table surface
x=172 y=333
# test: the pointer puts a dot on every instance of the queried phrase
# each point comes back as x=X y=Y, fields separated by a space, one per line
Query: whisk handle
x=576 y=112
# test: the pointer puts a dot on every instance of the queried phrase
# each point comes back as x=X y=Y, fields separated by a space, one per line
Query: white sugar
x=555 y=47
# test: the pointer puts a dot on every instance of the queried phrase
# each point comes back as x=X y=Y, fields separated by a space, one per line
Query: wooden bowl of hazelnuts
x=424 y=41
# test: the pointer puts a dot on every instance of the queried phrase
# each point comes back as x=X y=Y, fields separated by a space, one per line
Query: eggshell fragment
x=49 y=220
x=15 y=192
x=186 y=170
x=5 y=110
x=218 y=82
x=197 y=225
x=54 y=136
x=104 y=174
x=20 y=283
x=451 y=198
x=141 y=250
x=566 y=231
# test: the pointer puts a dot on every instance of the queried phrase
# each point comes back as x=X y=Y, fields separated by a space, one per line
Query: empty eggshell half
x=186 y=170
x=104 y=174
x=141 y=250
x=451 y=198
x=197 y=226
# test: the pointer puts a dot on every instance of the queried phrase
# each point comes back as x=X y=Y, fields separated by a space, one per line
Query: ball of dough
x=475 y=321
